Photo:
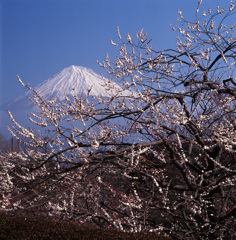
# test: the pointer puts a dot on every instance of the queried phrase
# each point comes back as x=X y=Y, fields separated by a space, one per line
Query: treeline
x=9 y=145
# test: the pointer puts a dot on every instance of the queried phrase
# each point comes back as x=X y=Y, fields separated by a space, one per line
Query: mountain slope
x=71 y=81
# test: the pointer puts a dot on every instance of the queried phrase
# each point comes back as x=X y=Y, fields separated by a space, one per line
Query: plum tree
x=159 y=157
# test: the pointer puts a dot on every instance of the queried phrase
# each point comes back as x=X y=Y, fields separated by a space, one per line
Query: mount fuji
x=71 y=81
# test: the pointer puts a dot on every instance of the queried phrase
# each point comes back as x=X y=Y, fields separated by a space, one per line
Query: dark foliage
x=27 y=227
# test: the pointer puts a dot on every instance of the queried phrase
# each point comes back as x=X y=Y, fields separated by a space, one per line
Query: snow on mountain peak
x=71 y=81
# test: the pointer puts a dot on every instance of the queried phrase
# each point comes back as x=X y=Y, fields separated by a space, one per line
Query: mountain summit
x=71 y=81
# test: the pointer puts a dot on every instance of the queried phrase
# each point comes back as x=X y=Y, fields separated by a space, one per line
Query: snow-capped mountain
x=71 y=81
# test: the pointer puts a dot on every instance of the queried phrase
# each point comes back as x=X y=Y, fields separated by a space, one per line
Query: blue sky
x=41 y=37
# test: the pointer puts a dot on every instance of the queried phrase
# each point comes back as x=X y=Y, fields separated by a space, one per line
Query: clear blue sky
x=41 y=37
